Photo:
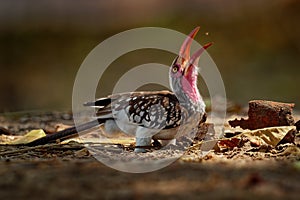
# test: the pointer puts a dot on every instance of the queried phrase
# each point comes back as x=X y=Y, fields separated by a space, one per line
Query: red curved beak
x=186 y=46
x=185 y=60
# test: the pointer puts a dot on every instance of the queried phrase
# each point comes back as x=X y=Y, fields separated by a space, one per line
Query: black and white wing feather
x=156 y=110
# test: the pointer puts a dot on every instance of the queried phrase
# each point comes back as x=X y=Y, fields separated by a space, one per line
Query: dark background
x=43 y=43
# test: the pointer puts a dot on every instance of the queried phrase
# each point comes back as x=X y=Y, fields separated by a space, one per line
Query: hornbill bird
x=148 y=115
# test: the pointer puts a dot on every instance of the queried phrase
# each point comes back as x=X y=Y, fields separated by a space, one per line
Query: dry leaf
x=229 y=143
x=268 y=136
x=29 y=137
x=260 y=137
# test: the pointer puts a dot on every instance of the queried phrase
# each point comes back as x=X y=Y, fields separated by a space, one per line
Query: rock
x=263 y=114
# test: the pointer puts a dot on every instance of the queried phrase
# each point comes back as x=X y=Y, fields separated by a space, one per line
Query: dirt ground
x=69 y=171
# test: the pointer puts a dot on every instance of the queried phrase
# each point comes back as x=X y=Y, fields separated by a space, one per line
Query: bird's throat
x=191 y=89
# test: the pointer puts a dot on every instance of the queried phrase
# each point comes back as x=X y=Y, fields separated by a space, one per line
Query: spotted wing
x=158 y=110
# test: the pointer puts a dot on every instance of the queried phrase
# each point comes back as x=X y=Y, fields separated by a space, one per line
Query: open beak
x=193 y=62
x=186 y=61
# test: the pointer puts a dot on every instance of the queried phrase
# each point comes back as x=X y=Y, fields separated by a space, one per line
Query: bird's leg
x=143 y=138
x=141 y=144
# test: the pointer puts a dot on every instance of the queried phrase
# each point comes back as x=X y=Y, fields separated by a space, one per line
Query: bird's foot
x=141 y=145
x=140 y=150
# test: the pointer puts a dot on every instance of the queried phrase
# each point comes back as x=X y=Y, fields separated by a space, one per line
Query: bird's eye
x=175 y=69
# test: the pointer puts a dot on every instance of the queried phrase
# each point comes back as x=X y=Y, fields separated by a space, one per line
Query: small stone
x=82 y=153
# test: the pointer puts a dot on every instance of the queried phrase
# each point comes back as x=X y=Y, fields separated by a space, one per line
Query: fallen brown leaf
x=271 y=136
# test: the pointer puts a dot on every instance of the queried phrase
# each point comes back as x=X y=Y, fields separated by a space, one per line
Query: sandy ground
x=57 y=171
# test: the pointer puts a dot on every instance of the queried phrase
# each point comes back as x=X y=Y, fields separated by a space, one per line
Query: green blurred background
x=43 y=43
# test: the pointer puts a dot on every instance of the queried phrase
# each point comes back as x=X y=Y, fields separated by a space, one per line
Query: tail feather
x=99 y=102
x=69 y=132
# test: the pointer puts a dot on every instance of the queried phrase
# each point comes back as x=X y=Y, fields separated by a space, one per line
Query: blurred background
x=43 y=43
